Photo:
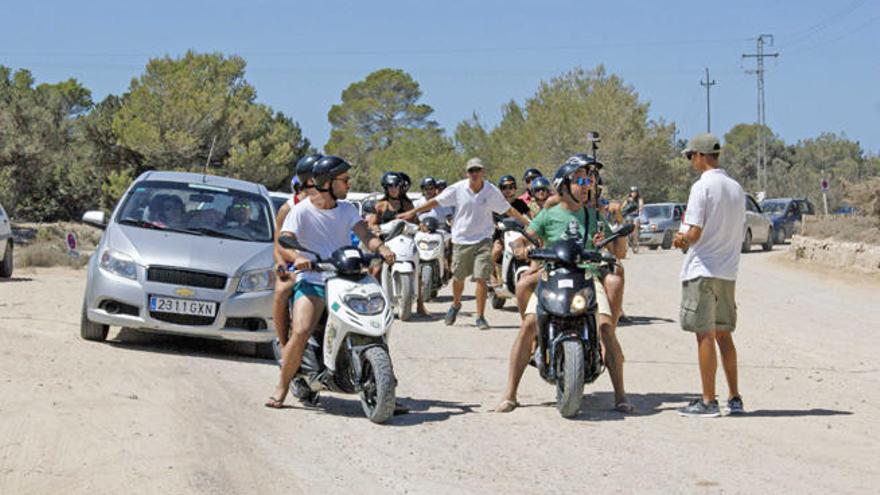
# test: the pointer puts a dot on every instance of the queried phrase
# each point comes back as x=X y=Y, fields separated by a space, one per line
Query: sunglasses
x=582 y=181
x=240 y=206
x=474 y=170
x=507 y=187
x=345 y=179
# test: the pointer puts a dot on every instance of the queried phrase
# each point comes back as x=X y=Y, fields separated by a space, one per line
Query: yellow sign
x=184 y=292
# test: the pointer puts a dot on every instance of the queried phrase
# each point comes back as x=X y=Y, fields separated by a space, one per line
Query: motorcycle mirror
x=630 y=209
x=625 y=230
x=289 y=243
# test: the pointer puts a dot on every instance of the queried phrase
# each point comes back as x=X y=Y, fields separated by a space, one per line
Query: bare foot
x=506 y=406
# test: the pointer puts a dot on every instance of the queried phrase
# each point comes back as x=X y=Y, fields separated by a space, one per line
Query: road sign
x=72 y=245
x=824 y=185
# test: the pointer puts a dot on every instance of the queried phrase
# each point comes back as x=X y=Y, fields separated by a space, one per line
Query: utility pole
x=708 y=84
x=762 y=122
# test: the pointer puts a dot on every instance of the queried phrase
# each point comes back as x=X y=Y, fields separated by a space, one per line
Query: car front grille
x=177 y=276
x=183 y=319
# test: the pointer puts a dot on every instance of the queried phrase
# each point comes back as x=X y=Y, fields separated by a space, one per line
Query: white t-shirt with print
x=717 y=204
x=321 y=231
x=473 y=220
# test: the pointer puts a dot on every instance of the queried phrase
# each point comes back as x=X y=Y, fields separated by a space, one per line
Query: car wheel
x=6 y=264
x=768 y=246
x=89 y=330
x=667 y=240
x=747 y=241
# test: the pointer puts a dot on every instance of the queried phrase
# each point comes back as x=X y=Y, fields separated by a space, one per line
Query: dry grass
x=845 y=228
x=45 y=245
x=46 y=255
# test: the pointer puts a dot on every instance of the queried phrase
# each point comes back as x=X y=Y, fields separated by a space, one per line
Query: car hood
x=211 y=254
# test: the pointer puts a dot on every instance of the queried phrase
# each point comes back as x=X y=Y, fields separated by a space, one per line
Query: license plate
x=182 y=306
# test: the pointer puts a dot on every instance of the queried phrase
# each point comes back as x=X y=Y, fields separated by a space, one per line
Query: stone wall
x=853 y=256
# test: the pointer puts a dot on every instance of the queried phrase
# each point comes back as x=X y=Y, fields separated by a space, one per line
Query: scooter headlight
x=428 y=245
x=369 y=305
x=578 y=303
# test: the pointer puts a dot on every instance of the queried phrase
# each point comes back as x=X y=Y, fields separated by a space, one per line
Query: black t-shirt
x=518 y=205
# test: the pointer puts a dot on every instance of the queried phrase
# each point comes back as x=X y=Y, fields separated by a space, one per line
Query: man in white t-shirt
x=475 y=200
x=320 y=223
x=714 y=220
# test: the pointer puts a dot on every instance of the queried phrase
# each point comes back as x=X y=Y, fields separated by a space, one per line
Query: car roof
x=662 y=204
x=206 y=179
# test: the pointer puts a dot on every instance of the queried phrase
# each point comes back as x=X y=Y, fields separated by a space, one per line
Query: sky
x=472 y=57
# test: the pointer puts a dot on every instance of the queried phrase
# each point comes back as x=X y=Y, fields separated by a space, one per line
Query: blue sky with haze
x=475 y=56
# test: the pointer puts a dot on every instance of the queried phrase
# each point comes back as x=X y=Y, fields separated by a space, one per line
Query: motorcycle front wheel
x=405 y=292
x=427 y=278
x=378 y=390
x=569 y=378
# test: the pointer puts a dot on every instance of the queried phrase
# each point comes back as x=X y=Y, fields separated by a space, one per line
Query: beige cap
x=473 y=163
x=706 y=144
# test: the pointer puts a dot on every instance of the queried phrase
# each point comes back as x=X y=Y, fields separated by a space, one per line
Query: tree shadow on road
x=419 y=410
x=447 y=298
x=135 y=340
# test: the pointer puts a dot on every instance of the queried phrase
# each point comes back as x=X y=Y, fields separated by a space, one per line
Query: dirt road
x=145 y=414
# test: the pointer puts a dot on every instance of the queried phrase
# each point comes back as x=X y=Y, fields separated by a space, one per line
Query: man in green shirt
x=572 y=185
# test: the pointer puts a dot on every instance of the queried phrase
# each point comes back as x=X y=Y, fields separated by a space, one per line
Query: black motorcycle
x=569 y=351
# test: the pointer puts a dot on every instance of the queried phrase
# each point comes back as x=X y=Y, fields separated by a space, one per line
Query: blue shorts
x=303 y=288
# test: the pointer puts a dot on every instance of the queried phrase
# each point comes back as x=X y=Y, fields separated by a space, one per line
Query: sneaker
x=451 y=314
x=735 y=406
x=481 y=323
x=699 y=409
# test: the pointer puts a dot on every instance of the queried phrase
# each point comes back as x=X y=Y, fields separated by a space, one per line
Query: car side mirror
x=95 y=218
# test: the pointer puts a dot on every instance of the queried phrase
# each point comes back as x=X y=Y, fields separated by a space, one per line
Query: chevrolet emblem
x=184 y=292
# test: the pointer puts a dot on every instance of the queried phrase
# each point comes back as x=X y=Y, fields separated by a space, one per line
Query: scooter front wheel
x=570 y=378
x=378 y=390
x=405 y=296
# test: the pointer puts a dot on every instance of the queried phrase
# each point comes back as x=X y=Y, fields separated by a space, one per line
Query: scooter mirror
x=289 y=243
x=625 y=230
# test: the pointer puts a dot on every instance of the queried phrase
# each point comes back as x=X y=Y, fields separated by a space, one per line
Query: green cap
x=706 y=144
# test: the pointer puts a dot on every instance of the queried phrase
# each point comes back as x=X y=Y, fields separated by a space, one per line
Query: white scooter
x=511 y=267
x=399 y=279
x=348 y=350
x=431 y=244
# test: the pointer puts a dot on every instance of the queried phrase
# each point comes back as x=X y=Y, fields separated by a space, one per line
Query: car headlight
x=429 y=245
x=370 y=305
x=257 y=280
x=654 y=227
x=119 y=264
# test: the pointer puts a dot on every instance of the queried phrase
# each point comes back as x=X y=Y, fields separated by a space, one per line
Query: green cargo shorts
x=474 y=260
x=708 y=304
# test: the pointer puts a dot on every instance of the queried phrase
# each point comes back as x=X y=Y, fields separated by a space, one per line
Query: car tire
x=6 y=264
x=654 y=248
x=768 y=246
x=91 y=331
x=747 y=241
x=667 y=240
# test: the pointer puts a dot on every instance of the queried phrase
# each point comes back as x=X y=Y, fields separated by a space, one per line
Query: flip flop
x=274 y=403
x=624 y=407
x=506 y=406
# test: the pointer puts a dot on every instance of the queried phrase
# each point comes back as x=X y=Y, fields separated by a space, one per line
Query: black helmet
x=327 y=168
x=539 y=183
x=586 y=160
x=369 y=206
x=506 y=179
x=406 y=182
x=428 y=182
x=346 y=264
x=390 y=179
x=531 y=174
x=563 y=175
x=431 y=224
x=634 y=189
x=305 y=165
x=442 y=184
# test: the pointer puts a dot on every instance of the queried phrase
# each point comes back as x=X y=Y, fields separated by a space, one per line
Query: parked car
x=786 y=215
x=659 y=223
x=185 y=254
x=6 y=246
x=758 y=229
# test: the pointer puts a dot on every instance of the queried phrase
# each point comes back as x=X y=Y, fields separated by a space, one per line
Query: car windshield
x=773 y=207
x=657 y=211
x=197 y=209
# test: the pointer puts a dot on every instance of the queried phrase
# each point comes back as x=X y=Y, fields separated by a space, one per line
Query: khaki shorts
x=708 y=304
x=601 y=300
x=474 y=260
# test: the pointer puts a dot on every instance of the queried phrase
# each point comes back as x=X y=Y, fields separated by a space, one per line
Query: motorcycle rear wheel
x=378 y=390
x=405 y=296
x=570 y=378
x=427 y=278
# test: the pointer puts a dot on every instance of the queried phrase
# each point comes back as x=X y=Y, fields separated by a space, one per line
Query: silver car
x=6 y=245
x=758 y=229
x=185 y=254
x=659 y=223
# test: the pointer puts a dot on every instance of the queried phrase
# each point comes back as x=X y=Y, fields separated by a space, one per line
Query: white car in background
x=758 y=228
x=6 y=245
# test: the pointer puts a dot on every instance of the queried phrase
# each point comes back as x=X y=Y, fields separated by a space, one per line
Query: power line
x=762 y=122
x=708 y=84
x=805 y=34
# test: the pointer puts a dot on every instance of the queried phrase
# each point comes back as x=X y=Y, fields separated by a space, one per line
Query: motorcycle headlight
x=428 y=245
x=257 y=280
x=578 y=303
x=370 y=305
x=118 y=263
